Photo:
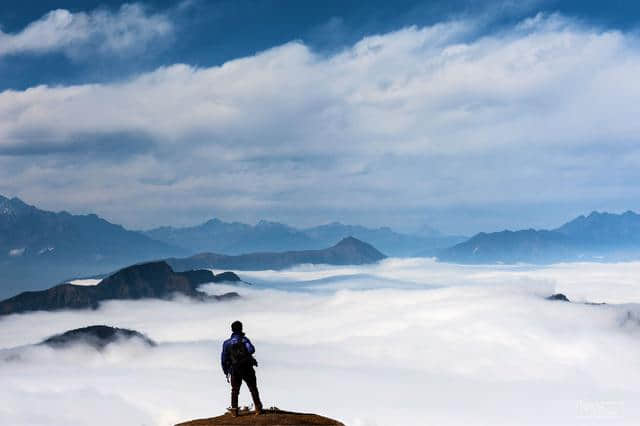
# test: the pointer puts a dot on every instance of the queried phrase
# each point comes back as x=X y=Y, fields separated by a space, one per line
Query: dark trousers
x=249 y=376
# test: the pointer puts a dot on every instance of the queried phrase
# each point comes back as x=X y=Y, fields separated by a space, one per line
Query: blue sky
x=463 y=115
x=209 y=33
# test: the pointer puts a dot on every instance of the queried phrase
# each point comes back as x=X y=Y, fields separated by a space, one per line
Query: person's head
x=236 y=327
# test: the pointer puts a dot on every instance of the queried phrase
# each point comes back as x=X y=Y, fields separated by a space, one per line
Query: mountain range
x=38 y=247
x=162 y=279
x=349 y=251
x=238 y=238
x=596 y=237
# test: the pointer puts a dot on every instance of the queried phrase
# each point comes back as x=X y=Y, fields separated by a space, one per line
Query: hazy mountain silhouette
x=604 y=229
x=599 y=236
x=385 y=239
x=239 y=238
x=233 y=238
x=349 y=251
x=38 y=247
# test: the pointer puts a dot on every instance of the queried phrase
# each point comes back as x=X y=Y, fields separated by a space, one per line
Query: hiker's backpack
x=239 y=355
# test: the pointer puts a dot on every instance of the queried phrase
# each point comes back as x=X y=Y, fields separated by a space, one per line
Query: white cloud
x=416 y=119
x=86 y=282
x=101 y=31
x=383 y=347
x=16 y=252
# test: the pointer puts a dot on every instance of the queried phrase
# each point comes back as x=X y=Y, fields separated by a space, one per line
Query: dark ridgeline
x=349 y=251
x=96 y=336
x=147 y=280
x=597 y=237
x=563 y=298
x=559 y=296
x=39 y=247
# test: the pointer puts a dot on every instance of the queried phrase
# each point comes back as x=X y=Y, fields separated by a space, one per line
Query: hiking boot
x=259 y=412
x=233 y=411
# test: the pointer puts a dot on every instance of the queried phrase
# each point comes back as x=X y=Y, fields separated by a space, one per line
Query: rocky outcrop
x=559 y=296
x=349 y=251
x=562 y=298
x=226 y=277
x=151 y=280
x=96 y=336
x=146 y=280
x=273 y=417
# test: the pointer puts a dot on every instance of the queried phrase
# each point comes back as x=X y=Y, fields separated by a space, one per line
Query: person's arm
x=223 y=359
x=249 y=346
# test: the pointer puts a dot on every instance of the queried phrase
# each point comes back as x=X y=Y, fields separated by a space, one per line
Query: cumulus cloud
x=408 y=342
x=129 y=28
x=420 y=118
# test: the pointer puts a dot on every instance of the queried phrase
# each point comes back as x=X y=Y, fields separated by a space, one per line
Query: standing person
x=237 y=364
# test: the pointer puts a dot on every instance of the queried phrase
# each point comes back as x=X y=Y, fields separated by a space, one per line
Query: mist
x=403 y=342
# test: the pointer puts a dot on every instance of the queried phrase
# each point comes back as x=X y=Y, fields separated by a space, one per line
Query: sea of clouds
x=403 y=342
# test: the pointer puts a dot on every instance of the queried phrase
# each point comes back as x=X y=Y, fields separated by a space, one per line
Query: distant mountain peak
x=355 y=246
x=13 y=206
x=600 y=215
x=349 y=251
x=595 y=219
x=84 y=245
x=350 y=240
x=596 y=236
x=268 y=223
x=235 y=238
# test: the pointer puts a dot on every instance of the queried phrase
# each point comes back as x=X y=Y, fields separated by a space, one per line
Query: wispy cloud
x=79 y=34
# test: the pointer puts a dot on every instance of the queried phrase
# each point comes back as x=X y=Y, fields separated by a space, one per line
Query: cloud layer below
x=406 y=342
x=423 y=119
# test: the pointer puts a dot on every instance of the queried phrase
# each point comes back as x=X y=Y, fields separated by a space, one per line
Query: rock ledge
x=271 y=417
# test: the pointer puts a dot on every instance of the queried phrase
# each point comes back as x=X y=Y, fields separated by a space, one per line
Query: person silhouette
x=237 y=364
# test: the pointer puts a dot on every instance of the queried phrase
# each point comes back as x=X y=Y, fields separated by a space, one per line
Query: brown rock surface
x=268 y=418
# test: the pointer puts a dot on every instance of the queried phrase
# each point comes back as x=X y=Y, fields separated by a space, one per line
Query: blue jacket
x=224 y=356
